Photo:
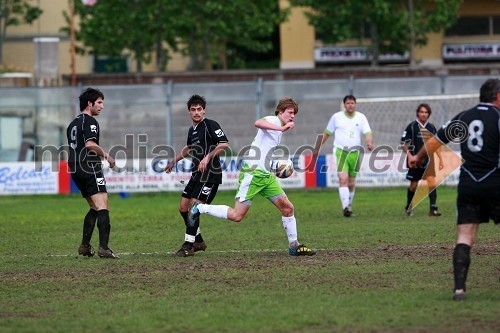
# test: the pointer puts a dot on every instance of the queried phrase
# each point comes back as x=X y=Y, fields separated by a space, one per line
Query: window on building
x=105 y=64
x=470 y=26
x=496 y=25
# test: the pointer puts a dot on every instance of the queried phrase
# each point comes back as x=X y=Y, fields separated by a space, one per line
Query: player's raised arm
x=265 y=125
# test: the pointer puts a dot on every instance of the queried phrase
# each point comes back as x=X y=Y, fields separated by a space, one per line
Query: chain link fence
x=138 y=121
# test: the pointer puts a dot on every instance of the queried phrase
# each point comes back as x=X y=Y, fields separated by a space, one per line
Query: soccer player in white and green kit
x=256 y=178
x=348 y=127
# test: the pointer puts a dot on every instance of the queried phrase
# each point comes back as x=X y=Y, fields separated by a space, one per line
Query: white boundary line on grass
x=382 y=248
x=160 y=253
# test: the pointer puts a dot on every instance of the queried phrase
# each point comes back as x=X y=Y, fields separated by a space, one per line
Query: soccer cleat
x=186 y=250
x=86 y=250
x=302 y=250
x=434 y=212
x=409 y=212
x=459 y=295
x=199 y=246
x=107 y=253
x=347 y=212
x=193 y=213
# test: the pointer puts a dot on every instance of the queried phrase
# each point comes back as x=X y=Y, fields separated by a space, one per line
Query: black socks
x=461 y=262
x=192 y=230
x=409 y=198
x=104 y=228
x=88 y=226
x=433 y=199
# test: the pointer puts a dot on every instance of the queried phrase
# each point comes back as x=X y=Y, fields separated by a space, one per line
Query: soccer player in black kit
x=86 y=171
x=478 y=132
x=205 y=142
x=412 y=140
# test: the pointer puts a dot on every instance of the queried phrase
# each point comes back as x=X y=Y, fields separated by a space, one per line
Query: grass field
x=378 y=271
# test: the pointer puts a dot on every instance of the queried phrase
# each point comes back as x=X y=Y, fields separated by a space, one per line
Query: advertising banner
x=149 y=175
x=26 y=178
x=353 y=54
x=477 y=51
x=383 y=171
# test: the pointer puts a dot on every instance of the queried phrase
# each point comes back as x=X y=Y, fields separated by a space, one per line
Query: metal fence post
x=168 y=124
x=258 y=102
x=442 y=104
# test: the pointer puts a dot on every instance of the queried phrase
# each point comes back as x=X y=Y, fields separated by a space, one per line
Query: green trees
x=204 y=30
x=214 y=33
x=212 y=29
x=15 y=12
x=388 y=26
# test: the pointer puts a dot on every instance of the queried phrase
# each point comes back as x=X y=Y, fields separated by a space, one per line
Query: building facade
x=44 y=50
x=475 y=37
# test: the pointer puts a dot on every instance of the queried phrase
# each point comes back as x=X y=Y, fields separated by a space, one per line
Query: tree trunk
x=375 y=44
x=207 y=60
x=161 y=55
x=139 y=65
x=1 y=47
x=3 y=27
x=223 y=56
x=412 y=33
x=194 y=62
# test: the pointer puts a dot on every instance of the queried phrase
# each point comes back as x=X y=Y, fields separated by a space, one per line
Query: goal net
x=388 y=117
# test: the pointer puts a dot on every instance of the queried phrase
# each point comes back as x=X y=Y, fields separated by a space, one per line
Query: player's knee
x=237 y=217
x=288 y=210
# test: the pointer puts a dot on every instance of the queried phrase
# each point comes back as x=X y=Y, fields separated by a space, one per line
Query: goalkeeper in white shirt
x=348 y=127
x=255 y=178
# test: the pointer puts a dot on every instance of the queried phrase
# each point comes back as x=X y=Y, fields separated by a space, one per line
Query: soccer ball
x=282 y=168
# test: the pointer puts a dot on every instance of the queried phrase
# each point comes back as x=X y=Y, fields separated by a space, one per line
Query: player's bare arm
x=183 y=154
x=369 y=141
x=90 y=144
x=406 y=148
x=221 y=146
x=265 y=125
x=317 y=146
x=441 y=159
x=430 y=147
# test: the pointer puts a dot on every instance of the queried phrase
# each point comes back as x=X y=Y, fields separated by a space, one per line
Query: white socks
x=189 y=238
x=344 y=196
x=351 y=197
x=290 y=226
x=219 y=211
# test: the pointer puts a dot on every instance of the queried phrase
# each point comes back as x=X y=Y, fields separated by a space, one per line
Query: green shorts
x=347 y=161
x=250 y=185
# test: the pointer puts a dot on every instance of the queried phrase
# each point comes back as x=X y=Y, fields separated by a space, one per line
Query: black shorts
x=205 y=192
x=478 y=202
x=89 y=180
x=415 y=174
x=418 y=173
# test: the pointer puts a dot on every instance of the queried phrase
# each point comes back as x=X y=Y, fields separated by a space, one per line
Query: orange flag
x=433 y=175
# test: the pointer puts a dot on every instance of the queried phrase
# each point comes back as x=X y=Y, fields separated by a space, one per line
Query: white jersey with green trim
x=260 y=155
x=348 y=130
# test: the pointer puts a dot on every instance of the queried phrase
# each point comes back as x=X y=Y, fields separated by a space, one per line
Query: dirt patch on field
x=252 y=261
